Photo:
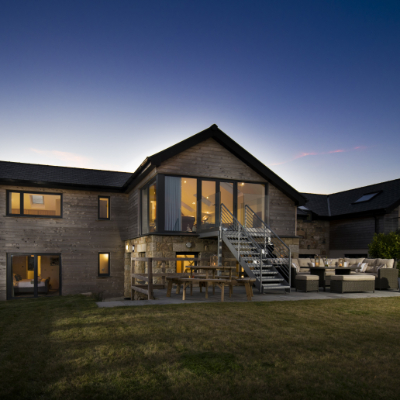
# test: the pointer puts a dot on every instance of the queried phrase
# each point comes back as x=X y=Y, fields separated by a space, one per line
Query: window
x=104 y=264
x=183 y=266
x=180 y=204
x=149 y=208
x=366 y=197
x=208 y=204
x=34 y=204
x=253 y=195
x=104 y=207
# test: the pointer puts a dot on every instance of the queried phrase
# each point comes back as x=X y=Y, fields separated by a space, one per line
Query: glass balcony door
x=33 y=275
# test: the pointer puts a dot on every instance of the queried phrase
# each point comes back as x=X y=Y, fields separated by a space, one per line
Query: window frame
x=146 y=186
x=21 y=204
x=375 y=194
x=159 y=180
x=109 y=208
x=98 y=263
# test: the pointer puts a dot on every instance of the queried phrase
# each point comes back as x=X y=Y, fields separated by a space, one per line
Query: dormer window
x=366 y=197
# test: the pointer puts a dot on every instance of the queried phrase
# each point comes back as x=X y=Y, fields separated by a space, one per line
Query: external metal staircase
x=261 y=253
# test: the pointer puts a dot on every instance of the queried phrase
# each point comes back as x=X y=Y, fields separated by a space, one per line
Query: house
x=343 y=224
x=71 y=230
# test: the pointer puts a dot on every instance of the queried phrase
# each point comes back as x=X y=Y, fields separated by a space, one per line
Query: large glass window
x=226 y=190
x=34 y=275
x=208 y=204
x=180 y=204
x=253 y=195
x=149 y=208
x=35 y=204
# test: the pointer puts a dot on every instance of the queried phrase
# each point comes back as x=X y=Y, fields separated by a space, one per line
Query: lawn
x=67 y=348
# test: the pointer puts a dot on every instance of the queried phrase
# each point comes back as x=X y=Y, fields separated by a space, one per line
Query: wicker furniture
x=324 y=274
x=307 y=283
x=352 y=283
x=387 y=279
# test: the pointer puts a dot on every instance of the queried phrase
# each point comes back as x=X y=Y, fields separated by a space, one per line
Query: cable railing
x=248 y=252
x=273 y=248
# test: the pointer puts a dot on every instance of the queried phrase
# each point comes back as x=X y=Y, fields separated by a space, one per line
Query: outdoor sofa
x=384 y=271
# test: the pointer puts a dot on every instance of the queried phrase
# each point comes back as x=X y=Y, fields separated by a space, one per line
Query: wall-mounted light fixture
x=130 y=248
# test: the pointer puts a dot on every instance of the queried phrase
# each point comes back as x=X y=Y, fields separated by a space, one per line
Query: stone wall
x=167 y=247
x=313 y=237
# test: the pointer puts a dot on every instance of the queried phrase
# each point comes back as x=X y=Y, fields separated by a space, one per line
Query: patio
x=239 y=295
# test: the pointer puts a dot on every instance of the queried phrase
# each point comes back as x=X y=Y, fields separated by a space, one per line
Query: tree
x=385 y=245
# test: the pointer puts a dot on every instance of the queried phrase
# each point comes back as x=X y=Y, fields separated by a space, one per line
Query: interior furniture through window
x=34 y=204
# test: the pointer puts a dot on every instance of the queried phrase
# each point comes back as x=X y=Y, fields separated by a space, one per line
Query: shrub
x=385 y=245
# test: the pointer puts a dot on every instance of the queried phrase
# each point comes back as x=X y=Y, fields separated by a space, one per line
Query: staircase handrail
x=235 y=220
x=263 y=223
x=274 y=235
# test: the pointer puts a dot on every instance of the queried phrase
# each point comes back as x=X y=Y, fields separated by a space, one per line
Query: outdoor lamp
x=214 y=260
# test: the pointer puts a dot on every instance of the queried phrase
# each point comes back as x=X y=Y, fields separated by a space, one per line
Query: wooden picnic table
x=213 y=269
x=247 y=282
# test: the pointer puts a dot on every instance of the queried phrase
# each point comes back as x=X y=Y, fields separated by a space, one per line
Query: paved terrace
x=239 y=295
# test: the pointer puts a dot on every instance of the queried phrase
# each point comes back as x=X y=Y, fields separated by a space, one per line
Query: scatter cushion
x=371 y=261
x=303 y=262
x=310 y=277
x=378 y=267
x=354 y=261
x=386 y=262
x=332 y=262
x=296 y=266
x=311 y=264
x=355 y=267
x=364 y=277
x=362 y=268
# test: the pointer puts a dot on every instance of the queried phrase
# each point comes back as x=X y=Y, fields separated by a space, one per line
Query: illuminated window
x=104 y=264
x=34 y=204
x=180 y=204
x=149 y=208
x=104 y=207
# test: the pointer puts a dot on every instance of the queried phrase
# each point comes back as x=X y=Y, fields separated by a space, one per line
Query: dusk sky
x=310 y=88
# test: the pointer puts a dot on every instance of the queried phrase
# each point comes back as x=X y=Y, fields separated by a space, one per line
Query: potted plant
x=386 y=245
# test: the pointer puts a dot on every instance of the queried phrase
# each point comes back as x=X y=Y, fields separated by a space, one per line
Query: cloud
x=73 y=160
x=321 y=153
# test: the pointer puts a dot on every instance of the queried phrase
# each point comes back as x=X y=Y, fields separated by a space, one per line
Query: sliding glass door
x=33 y=275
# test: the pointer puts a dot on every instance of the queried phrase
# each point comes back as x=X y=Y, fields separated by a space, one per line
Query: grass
x=67 y=348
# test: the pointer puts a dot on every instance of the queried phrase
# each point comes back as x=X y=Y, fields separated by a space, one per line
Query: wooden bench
x=246 y=282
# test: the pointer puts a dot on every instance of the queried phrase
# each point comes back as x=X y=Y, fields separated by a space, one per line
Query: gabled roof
x=89 y=179
x=51 y=176
x=224 y=140
x=344 y=203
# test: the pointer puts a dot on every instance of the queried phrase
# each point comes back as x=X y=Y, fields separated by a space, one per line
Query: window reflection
x=253 y=195
x=208 y=197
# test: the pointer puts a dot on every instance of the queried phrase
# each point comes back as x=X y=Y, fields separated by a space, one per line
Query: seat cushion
x=304 y=277
x=354 y=261
x=386 y=262
x=361 y=277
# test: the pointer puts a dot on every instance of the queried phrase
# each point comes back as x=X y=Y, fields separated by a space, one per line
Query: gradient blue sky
x=310 y=88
